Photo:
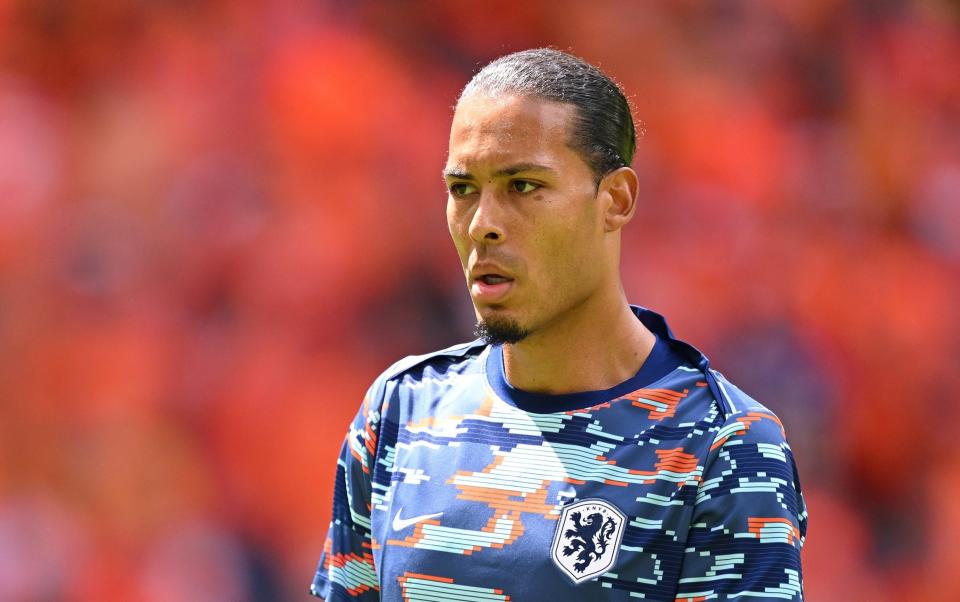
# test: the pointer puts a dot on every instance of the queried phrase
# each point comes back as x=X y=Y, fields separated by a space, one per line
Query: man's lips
x=489 y=285
x=493 y=279
x=490 y=290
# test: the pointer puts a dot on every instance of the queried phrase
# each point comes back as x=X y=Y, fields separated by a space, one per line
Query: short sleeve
x=749 y=521
x=346 y=570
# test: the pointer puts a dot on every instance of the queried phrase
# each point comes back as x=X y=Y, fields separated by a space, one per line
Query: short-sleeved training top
x=453 y=485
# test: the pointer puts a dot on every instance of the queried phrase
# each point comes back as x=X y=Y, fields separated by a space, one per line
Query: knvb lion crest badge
x=588 y=538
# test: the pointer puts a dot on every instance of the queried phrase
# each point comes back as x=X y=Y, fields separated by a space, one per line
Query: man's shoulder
x=405 y=377
x=747 y=417
x=443 y=357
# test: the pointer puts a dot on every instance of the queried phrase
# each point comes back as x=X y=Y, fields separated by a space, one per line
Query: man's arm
x=346 y=570
x=750 y=519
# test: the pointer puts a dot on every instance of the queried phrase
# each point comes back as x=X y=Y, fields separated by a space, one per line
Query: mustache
x=508 y=262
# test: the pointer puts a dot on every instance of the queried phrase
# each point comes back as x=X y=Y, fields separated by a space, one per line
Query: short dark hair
x=603 y=133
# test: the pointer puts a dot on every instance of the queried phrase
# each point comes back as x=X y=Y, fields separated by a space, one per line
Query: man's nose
x=486 y=226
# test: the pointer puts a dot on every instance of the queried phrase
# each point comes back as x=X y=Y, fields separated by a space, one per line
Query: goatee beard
x=500 y=332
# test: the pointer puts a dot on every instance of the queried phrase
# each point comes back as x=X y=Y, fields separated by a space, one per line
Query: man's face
x=521 y=212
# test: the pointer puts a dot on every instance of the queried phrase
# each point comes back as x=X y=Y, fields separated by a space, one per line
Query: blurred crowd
x=219 y=221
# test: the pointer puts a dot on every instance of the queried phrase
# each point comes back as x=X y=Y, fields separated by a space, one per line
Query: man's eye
x=523 y=186
x=462 y=189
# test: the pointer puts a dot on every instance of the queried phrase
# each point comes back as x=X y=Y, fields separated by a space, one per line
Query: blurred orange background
x=219 y=221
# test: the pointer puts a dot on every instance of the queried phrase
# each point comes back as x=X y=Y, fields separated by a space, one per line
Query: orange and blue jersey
x=453 y=485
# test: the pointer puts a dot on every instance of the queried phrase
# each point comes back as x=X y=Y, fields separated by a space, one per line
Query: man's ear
x=622 y=186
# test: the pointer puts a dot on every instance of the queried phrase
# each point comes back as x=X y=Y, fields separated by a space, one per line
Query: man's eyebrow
x=510 y=170
x=457 y=173
x=513 y=170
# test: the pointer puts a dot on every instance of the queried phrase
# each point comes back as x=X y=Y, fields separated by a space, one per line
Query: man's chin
x=499 y=330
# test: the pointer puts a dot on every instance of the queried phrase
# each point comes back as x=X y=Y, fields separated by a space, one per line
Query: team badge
x=588 y=538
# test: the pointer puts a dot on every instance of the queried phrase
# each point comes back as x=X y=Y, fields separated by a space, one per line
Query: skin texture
x=523 y=204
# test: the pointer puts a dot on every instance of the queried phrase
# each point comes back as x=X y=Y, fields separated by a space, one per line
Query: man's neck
x=595 y=346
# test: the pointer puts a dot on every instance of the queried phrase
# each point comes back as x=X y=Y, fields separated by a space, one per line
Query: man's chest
x=532 y=507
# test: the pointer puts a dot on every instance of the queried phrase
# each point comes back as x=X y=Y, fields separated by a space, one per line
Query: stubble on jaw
x=500 y=332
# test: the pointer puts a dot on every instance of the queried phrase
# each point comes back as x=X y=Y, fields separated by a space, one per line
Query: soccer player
x=576 y=450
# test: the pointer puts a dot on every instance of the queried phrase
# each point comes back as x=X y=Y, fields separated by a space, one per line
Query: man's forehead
x=509 y=116
x=506 y=129
x=499 y=160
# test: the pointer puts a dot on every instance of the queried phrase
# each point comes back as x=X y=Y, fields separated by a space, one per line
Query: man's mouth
x=491 y=288
x=493 y=279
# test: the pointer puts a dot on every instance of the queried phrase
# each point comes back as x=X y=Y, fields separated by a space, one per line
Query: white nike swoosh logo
x=399 y=524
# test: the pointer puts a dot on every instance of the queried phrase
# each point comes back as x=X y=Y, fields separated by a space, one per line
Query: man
x=577 y=450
